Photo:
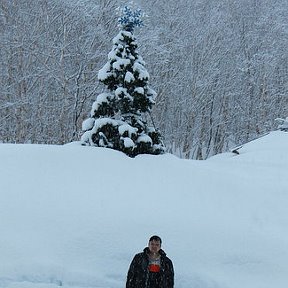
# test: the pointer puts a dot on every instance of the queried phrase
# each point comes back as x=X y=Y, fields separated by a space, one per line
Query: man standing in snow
x=151 y=268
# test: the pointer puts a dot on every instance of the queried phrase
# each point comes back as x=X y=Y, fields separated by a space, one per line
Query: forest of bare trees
x=220 y=69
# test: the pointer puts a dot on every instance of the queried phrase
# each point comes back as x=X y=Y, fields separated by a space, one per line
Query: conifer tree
x=117 y=119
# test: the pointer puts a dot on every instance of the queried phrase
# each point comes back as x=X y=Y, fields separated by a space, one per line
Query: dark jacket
x=138 y=273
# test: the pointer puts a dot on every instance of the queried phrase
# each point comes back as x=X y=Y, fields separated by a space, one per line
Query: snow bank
x=74 y=216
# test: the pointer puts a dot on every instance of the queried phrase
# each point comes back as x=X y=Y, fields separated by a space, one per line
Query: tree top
x=130 y=18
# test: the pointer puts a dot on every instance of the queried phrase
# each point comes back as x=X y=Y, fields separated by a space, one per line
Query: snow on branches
x=118 y=119
x=283 y=124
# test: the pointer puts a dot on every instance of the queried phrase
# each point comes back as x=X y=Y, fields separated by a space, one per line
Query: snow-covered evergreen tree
x=117 y=119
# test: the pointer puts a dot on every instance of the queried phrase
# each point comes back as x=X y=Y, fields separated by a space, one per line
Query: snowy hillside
x=74 y=216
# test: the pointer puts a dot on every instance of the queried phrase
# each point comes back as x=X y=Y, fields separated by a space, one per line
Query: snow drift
x=74 y=216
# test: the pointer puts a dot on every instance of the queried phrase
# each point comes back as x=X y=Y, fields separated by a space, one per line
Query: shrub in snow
x=283 y=124
x=122 y=110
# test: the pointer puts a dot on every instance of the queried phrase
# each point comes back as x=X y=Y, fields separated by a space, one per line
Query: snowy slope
x=74 y=216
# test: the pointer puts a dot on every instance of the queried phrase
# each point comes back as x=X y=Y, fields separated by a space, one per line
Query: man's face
x=154 y=246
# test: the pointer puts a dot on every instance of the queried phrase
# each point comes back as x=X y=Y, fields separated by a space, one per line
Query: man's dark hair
x=155 y=238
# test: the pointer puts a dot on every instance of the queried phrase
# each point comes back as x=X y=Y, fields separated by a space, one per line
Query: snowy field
x=74 y=216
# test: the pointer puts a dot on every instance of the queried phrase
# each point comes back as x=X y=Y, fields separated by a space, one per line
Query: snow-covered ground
x=74 y=216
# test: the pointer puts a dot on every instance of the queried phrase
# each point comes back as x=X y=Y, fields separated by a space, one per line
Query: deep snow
x=74 y=216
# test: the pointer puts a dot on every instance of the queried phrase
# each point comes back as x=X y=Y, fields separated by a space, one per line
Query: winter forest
x=220 y=69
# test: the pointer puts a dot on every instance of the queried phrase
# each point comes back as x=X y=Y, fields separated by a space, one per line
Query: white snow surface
x=123 y=91
x=74 y=216
x=138 y=67
x=144 y=138
x=127 y=128
x=88 y=124
x=101 y=98
x=119 y=64
x=129 y=77
x=139 y=90
x=104 y=72
x=128 y=142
